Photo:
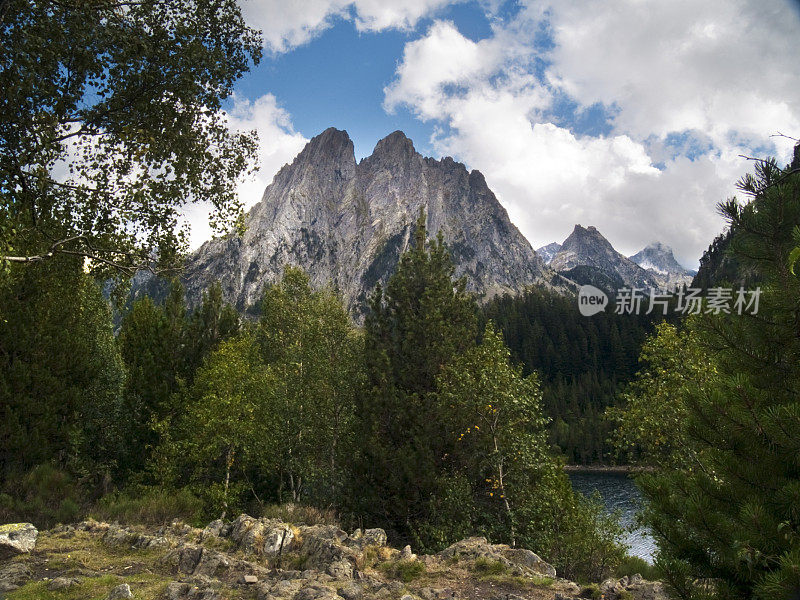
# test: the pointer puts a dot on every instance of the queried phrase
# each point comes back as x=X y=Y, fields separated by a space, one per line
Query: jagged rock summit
x=586 y=257
x=347 y=222
x=548 y=252
x=658 y=259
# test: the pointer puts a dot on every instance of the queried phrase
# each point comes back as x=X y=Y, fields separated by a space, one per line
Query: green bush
x=44 y=496
x=404 y=570
x=487 y=566
x=150 y=506
x=631 y=565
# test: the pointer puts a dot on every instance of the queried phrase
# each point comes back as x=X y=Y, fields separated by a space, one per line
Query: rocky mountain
x=548 y=252
x=658 y=259
x=586 y=257
x=347 y=222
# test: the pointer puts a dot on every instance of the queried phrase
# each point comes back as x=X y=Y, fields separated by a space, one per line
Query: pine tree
x=420 y=324
x=730 y=513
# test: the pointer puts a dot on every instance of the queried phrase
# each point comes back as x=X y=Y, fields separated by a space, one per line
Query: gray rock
x=316 y=592
x=352 y=591
x=340 y=569
x=62 y=583
x=17 y=538
x=519 y=560
x=214 y=529
x=347 y=223
x=13 y=575
x=120 y=592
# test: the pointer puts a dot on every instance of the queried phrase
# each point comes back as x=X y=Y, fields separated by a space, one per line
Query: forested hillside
x=584 y=363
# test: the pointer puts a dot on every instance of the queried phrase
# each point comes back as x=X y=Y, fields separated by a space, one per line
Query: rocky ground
x=266 y=559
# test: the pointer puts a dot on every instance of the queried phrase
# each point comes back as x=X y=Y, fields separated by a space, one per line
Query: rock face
x=659 y=261
x=347 y=223
x=586 y=257
x=547 y=253
x=519 y=560
x=17 y=538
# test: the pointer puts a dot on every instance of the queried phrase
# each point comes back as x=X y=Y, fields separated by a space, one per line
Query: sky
x=629 y=115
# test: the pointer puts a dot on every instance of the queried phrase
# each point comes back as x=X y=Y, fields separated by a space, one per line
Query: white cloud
x=721 y=74
x=278 y=145
x=719 y=66
x=288 y=24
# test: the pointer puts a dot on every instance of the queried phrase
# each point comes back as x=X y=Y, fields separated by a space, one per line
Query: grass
x=153 y=506
x=488 y=566
x=300 y=514
x=404 y=570
x=592 y=591
x=145 y=585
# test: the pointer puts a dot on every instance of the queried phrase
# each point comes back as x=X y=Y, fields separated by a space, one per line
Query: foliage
x=61 y=376
x=111 y=122
x=312 y=353
x=150 y=506
x=406 y=432
x=163 y=346
x=730 y=513
x=631 y=565
x=652 y=416
x=44 y=496
x=226 y=417
x=583 y=364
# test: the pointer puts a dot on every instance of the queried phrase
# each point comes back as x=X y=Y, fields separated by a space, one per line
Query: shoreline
x=616 y=469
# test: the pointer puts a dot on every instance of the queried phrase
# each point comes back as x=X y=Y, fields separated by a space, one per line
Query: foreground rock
x=268 y=559
x=17 y=538
x=518 y=560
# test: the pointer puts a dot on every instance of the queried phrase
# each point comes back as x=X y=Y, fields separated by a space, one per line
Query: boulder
x=17 y=538
x=120 y=592
x=13 y=575
x=519 y=560
x=62 y=583
x=635 y=587
x=189 y=591
x=316 y=592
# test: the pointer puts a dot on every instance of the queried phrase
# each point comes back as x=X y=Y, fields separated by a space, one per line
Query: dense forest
x=584 y=363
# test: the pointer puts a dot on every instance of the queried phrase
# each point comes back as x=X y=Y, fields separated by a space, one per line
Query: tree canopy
x=111 y=121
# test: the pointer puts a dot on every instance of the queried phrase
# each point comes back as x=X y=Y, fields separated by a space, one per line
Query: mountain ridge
x=348 y=222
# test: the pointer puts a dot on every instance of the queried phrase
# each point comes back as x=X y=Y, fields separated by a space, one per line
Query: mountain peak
x=348 y=223
x=331 y=144
x=396 y=143
x=586 y=256
x=658 y=259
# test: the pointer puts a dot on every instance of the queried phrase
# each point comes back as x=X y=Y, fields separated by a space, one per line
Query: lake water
x=619 y=493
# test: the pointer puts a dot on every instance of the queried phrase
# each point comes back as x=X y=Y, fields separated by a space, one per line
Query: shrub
x=488 y=566
x=150 y=506
x=44 y=496
x=631 y=565
x=300 y=514
x=404 y=570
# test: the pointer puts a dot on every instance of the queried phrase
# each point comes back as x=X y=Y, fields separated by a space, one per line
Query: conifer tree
x=422 y=321
x=729 y=513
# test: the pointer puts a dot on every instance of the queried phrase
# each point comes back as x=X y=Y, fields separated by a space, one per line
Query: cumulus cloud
x=286 y=25
x=689 y=88
x=279 y=143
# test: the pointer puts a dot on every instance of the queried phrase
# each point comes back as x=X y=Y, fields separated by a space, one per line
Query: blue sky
x=630 y=115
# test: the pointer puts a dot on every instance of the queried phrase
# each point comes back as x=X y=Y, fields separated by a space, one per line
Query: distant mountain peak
x=587 y=257
x=548 y=252
x=659 y=259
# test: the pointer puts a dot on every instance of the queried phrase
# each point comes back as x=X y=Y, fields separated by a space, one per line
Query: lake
x=619 y=493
